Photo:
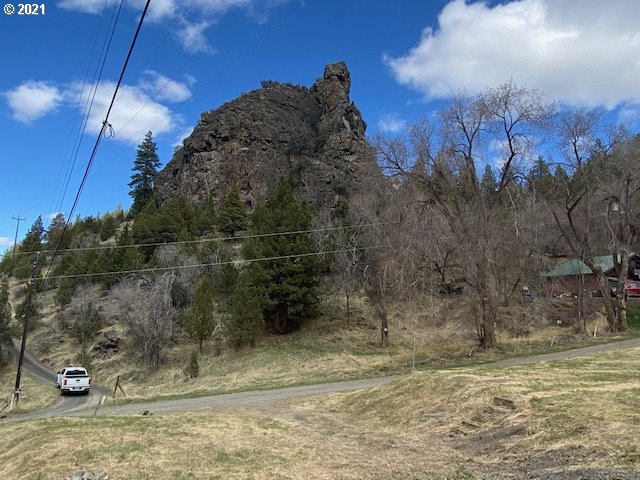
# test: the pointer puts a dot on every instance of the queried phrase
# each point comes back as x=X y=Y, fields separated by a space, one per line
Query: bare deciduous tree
x=86 y=318
x=501 y=123
x=623 y=218
x=147 y=312
x=581 y=218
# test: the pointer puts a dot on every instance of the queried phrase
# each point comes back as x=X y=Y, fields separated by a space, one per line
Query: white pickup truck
x=73 y=379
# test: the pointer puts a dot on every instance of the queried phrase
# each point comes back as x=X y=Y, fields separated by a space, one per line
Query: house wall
x=571 y=284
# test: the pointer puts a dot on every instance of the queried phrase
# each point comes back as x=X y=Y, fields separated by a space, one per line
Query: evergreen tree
x=285 y=286
x=488 y=183
x=199 y=322
x=23 y=265
x=173 y=221
x=193 y=369
x=145 y=169
x=109 y=227
x=204 y=218
x=125 y=258
x=232 y=215
x=5 y=324
x=33 y=239
x=226 y=279
x=65 y=291
x=541 y=180
x=245 y=322
x=54 y=233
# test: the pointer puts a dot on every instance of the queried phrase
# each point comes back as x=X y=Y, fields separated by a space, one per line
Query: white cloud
x=184 y=133
x=630 y=115
x=165 y=88
x=32 y=100
x=583 y=53
x=137 y=108
x=85 y=6
x=134 y=112
x=191 y=36
x=53 y=215
x=162 y=9
x=194 y=18
x=6 y=242
x=392 y=122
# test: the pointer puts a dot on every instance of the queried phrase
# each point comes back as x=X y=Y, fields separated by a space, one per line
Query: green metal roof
x=577 y=267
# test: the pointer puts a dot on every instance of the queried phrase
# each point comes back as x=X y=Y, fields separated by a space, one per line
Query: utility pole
x=25 y=317
x=15 y=240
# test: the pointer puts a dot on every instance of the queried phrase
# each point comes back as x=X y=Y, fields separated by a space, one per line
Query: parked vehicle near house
x=631 y=287
x=73 y=379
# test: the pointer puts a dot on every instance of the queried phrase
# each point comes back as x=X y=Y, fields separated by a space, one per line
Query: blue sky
x=405 y=57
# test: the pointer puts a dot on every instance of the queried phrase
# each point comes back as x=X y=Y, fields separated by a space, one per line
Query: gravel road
x=85 y=405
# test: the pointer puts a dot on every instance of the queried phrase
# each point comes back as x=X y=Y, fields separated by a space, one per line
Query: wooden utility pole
x=16 y=391
x=15 y=240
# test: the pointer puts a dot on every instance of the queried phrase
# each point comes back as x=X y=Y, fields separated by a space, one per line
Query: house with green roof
x=568 y=277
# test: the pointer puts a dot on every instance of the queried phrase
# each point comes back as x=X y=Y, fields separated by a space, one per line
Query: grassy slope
x=435 y=424
x=428 y=425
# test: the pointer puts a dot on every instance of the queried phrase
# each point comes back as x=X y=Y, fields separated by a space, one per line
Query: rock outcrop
x=314 y=135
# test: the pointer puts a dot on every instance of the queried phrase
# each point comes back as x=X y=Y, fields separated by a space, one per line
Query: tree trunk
x=621 y=291
x=488 y=305
x=384 y=330
x=281 y=318
x=348 y=310
x=607 y=301
x=581 y=325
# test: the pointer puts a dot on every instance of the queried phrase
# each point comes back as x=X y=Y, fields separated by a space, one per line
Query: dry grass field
x=452 y=418
x=327 y=349
x=466 y=423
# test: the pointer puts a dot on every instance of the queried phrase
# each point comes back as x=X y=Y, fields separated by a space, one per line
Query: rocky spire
x=313 y=135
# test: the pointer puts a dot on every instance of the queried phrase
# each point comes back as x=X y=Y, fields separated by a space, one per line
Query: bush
x=65 y=292
x=84 y=358
x=245 y=322
x=193 y=369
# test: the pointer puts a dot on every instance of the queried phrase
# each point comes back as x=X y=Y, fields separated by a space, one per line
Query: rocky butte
x=314 y=135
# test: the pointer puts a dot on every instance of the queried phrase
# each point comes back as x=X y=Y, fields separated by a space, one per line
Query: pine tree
x=33 y=239
x=541 y=180
x=109 y=226
x=54 y=233
x=245 y=322
x=226 y=279
x=285 y=286
x=232 y=216
x=204 y=218
x=5 y=324
x=193 y=369
x=23 y=264
x=199 y=322
x=488 y=183
x=145 y=168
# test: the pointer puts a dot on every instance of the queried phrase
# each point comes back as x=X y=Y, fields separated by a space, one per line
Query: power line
x=89 y=101
x=242 y=237
x=178 y=70
x=217 y=239
x=105 y=125
x=78 y=104
x=211 y=264
x=226 y=66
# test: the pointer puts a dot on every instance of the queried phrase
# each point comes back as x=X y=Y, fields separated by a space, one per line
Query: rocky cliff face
x=314 y=135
